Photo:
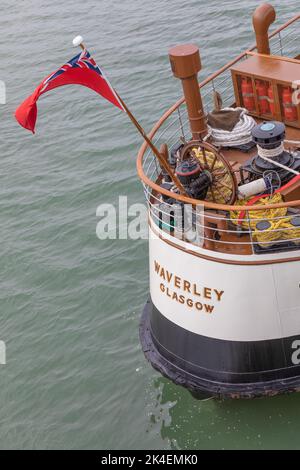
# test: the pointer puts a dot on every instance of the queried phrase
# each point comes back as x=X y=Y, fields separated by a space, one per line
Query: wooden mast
x=163 y=162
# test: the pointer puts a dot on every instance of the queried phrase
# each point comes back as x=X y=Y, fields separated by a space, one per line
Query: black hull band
x=227 y=369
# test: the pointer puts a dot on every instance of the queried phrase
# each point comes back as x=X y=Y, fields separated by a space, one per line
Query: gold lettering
x=207 y=292
x=198 y=305
x=195 y=290
x=156 y=267
x=187 y=286
x=177 y=282
x=209 y=308
x=219 y=294
x=162 y=273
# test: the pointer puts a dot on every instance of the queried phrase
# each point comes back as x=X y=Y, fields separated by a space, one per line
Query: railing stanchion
x=280 y=43
x=250 y=231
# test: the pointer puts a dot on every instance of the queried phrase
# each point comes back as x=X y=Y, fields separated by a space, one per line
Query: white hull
x=226 y=329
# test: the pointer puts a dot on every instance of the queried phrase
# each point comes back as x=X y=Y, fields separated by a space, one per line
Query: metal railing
x=235 y=232
x=227 y=234
x=286 y=42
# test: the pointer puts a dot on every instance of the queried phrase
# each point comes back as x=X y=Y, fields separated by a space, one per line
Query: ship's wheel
x=223 y=186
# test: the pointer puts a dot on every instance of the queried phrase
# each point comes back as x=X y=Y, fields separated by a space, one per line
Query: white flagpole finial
x=77 y=41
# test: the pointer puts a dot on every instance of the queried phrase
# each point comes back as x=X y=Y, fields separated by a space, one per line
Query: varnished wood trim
x=276 y=57
x=222 y=260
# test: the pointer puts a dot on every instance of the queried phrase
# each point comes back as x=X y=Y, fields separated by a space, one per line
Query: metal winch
x=269 y=138
x=195 y=180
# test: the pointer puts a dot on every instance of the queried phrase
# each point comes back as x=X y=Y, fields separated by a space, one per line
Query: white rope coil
x=270 y=153
x=240 y=135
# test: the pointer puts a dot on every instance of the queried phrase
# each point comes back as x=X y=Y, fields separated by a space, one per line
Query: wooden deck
x=240 y=244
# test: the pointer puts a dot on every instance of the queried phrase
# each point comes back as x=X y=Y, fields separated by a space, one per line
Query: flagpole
x=163 y=162
x=78 y=41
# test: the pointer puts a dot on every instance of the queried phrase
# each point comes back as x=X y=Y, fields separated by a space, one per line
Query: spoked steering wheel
x=223 y=186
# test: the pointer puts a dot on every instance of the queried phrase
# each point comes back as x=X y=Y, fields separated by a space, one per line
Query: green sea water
x=70 y=304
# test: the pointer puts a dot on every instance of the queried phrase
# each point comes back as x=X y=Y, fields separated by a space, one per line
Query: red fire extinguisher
x=290 y=110
x=262 y=93
x=271 y=99
x=248 y=95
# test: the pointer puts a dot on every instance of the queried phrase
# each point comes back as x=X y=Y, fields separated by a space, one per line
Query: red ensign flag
x=81 y=70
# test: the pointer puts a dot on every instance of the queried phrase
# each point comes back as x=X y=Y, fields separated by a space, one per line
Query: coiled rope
x=280 y=226
x=270 y=153
x=280 y=229
x=240 y=135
